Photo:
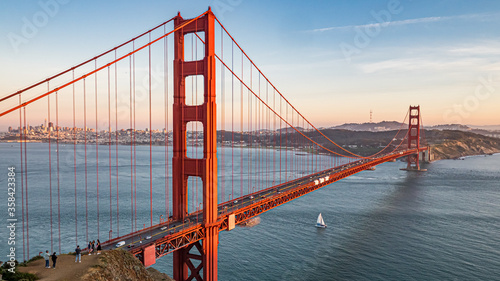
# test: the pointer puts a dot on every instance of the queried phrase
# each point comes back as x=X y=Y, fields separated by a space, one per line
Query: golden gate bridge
x=269 y=152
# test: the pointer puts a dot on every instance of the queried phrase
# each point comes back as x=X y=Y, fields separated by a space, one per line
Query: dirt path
x=66 y=268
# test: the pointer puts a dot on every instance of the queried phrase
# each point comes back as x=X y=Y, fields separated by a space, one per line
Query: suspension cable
x=354 y=156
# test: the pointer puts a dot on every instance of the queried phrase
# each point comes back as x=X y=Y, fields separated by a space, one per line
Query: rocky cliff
x=121 y=265
x=455 y=144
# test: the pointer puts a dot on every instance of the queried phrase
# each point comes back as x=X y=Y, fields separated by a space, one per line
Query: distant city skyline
x=335 y=61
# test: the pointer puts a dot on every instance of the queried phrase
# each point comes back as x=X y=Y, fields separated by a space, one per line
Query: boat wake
x=250 y=223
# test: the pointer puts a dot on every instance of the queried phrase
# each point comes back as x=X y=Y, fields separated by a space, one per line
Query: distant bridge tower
x=188 y=265
x=414 y=137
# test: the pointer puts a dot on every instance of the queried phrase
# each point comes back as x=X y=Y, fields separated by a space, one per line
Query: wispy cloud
x=480 y=50
x=428 y=64
x=381 y=24
x=407 y=22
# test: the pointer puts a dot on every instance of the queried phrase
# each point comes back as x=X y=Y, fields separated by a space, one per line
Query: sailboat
x=320 y=222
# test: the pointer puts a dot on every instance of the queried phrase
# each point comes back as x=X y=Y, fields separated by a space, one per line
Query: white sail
x=320 y=219
x=320 y=222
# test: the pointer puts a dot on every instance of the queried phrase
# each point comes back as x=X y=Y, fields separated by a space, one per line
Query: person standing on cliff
x=46 y=257
x=78 y=254
x=89 y=248
x=54 y=260
x=98 y=247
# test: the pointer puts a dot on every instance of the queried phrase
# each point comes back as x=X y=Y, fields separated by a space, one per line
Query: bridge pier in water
x=426 y=156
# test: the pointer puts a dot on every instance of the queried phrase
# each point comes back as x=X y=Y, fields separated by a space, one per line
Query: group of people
x=48 y=257
x=92 y=247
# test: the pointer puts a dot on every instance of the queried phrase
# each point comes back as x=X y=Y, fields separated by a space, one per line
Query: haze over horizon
x=335 y=61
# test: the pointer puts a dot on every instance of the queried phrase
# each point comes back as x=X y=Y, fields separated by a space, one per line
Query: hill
x=393 y=125
x=453 y=144
x=446 y=144
x=110 y=265
x=373 y=127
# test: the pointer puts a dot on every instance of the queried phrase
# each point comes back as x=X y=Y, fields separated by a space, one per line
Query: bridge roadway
x=172 y=235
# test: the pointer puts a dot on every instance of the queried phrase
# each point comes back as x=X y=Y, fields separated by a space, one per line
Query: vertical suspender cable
x=250 y=134
x=58 y=181
x=274 y=139
x=116 y=152
x=131 y=153
x=241 y=130
x=298 y=160
x=74 y=160
x=286 y=145
x=109 y=152
x=259 y=139
x=250 y=158
x=316 y=155
x=85 y=148
x=150 y=140
x=23 y=206
x=165 y=65
x=302 y=144
x=258 y=120
x=267 y=136
x=134 y=144
x=232 y=120
x=292 y=137
x=50 y=171
x=97 y=151
x=223 y=93
x=26 y=186
x=281 y=144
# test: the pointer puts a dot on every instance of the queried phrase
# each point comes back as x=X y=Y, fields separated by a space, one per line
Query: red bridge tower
x=205 y=168
x=414 y=137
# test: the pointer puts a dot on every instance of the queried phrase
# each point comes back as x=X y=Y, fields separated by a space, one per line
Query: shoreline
x=467 y=156
x=449 y=157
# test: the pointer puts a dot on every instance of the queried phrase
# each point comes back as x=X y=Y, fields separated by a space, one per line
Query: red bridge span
x=269 y=152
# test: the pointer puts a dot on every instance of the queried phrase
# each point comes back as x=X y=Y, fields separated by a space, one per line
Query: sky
x=334 y=60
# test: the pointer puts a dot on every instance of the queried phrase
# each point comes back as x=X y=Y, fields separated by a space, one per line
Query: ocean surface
x=443 y=224
x=388 y=224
